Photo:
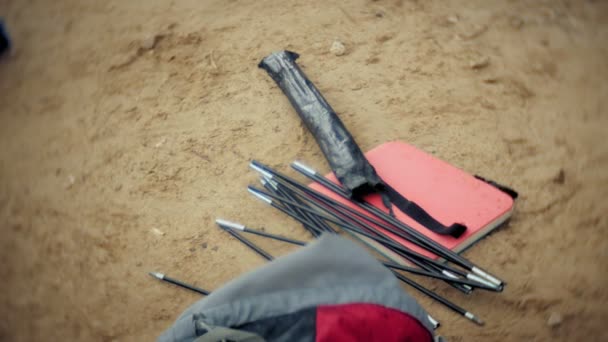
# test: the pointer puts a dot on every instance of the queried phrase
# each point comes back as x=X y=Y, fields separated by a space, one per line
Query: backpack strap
x=223 y=334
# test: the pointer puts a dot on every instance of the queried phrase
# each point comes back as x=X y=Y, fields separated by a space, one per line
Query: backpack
x=330 y=290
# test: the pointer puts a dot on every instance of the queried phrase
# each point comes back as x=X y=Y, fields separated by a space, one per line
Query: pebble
x=337 y=48
x=161 y=142
x=357 y=86
x=71 y=181
x=480 y=63
x=452 y=19
x=473 y=32
x=157 y=232
x=149 y=42
x=555 y=319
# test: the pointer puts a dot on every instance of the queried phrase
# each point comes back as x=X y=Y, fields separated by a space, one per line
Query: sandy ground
x=119 y=119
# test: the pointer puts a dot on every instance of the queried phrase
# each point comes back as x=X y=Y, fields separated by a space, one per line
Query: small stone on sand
x=555 y=319
x=71 y=181
x=161 y=142
x=149 y=42
x=473 y=32
x=157 y=232
x=480 y=63
x=337 y=48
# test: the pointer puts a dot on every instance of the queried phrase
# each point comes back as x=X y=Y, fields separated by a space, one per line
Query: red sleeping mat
x=446 y=192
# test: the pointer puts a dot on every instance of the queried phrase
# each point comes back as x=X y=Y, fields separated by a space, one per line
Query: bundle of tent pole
x=319 y=213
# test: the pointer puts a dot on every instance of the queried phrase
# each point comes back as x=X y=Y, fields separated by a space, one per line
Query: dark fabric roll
x=339 y=147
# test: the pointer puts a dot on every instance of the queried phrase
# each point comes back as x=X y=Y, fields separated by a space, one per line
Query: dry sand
x=123 y=119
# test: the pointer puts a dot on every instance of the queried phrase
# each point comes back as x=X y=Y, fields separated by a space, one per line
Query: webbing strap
x=417 y=213
x=221 y=334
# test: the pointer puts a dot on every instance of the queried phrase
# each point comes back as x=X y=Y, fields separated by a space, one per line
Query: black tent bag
x=345 y=157
x=342 y=152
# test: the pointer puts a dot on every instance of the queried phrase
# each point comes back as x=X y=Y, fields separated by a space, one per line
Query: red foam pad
x=446 y=192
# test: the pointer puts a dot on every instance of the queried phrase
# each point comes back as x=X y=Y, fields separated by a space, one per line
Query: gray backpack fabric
x=276 y=300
